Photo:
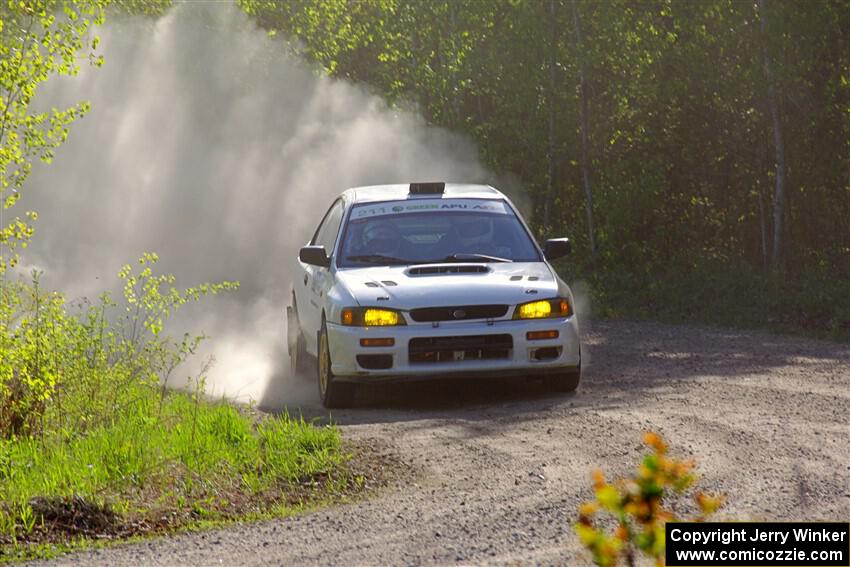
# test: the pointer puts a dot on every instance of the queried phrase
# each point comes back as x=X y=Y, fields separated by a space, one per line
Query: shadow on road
x=630 y=363
x=434 y=399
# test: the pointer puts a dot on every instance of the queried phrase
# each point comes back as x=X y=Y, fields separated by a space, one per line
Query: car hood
x=434 y=285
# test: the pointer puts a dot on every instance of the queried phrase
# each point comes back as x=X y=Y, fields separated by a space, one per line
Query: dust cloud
x=209 y=143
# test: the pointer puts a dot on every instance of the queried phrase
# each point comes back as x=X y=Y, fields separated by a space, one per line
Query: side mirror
x=557 y=248
x=315 y=256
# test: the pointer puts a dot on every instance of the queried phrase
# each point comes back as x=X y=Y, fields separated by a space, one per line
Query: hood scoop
x=384 y=283
x=443 y=269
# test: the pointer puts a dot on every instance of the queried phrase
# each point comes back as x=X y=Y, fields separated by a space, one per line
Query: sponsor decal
x=422 y=205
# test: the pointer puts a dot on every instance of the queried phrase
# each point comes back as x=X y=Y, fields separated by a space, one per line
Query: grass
x=190 y=440
x=48 y=550
x=95 y=448
x=196 y=462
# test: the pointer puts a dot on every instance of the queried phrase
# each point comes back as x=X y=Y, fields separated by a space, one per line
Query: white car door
x=316 y=279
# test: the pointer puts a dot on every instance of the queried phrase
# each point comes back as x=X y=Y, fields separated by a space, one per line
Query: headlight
x=371 y=317
x=544 y=309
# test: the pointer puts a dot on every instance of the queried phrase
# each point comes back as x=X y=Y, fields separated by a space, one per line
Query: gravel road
x=500 y=468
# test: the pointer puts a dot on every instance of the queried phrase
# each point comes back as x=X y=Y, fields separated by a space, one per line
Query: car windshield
x=434 y=231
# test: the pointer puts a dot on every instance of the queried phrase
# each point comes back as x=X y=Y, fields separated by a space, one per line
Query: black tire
x=566 y=381
x=334 y=394
x=300 y=362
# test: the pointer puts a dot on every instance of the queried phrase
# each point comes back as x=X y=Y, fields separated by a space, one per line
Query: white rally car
x=429 y=280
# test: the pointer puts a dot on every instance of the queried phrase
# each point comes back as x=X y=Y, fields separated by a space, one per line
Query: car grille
x=459 y=313
x=426 y=350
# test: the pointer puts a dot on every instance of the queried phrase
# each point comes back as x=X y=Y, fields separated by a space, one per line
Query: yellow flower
x=708 y=504
x=588 y=509
x=598 y=479
x=654 y=440
x=621 y=533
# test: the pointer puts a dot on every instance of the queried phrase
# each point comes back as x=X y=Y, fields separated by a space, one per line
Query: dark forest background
x=697 y=152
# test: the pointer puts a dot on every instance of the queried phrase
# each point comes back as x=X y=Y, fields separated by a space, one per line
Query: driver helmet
x=381 y=238
x=475 y=232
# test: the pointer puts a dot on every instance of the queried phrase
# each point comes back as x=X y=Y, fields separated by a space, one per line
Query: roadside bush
x=66 y=369
x=93 y=443
x=637 y=507
x=33 y=331
x=813 y=302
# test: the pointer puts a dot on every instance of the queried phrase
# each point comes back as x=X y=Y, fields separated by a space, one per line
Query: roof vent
x=431 y=188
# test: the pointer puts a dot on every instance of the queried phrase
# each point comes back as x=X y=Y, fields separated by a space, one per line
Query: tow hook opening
x=375 y=361
x=545 y=353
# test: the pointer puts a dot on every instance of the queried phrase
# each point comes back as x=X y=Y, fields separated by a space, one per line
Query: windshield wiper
x=379 y=258
x=474 y=258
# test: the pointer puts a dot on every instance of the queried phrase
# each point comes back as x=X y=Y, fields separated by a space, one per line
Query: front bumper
x=521 y=360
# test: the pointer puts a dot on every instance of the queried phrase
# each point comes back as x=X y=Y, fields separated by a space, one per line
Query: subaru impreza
x=429 y=280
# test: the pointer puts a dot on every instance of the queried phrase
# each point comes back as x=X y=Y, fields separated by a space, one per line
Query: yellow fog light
x=379 y=318
x=558 y=307
x=370 y=317
x=535 y=310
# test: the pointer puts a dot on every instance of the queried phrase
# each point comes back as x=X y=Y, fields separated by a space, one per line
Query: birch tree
x=38 y=39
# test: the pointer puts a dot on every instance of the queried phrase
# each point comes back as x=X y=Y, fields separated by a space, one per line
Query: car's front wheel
x=565 y=381
x=333 y=393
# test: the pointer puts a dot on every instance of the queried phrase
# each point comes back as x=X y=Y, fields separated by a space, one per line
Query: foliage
x=133 y=449
x=637 y=505
x=92 y=443
x=187 y=460
x=38 y=39
x=152 y=8
x=64 y=371
x=680 y=145
x=730 y=294
x=88 y=425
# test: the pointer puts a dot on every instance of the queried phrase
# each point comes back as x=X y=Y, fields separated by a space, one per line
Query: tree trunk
x=585 y=143
x=779 y=195
x=763 y=225
x=550 y=181
x=454 y=91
